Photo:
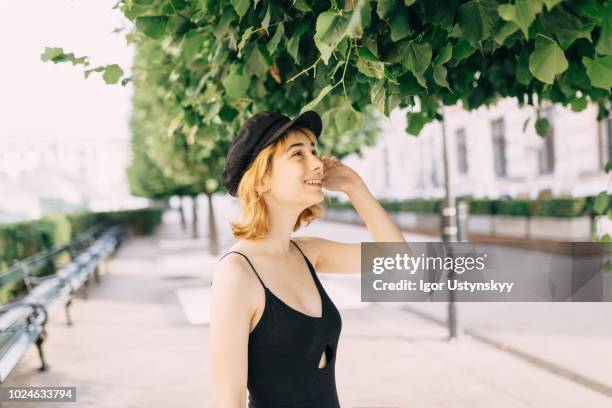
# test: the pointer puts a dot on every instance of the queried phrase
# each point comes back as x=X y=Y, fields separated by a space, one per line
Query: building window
x=546 y=155
x=462 y=152
x=606 y=141
x=434 y=177
x=499 y=147
x=386 y=168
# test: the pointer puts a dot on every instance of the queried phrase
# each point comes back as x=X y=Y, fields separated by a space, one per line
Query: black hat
x=258 y=132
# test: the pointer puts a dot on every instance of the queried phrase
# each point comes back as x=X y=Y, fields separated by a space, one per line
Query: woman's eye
x=297 y=154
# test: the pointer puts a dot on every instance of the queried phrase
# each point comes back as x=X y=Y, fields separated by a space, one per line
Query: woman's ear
x=264 y=186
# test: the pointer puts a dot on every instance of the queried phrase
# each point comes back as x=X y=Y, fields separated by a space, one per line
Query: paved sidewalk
x=136 y=342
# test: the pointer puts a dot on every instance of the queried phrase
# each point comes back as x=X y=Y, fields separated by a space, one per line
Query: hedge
x=23 y=239
x=549 y=207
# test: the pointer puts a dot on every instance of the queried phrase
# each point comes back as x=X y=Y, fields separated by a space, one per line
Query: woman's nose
x=317 y=163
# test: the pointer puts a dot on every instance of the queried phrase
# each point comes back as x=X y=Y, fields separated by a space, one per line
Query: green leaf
x=88 y=72
x=293 y=48
x=477 y=19
x=551 y=3
x=152 y=26
x=439 y=75
x=604 y=44
x=222 y=26
x=409 y=85
x=507 y=29
x=348 y=119
x=257 y=59
x=399 y=25
x=265 y=23
x=112 y=73
x=602 y=202
x=241 y=6
x=275 y=40
x=378 y=97
x=522 y=13
x=245 y=37
x=312 y=104
x=51 y=53
x=371 y=69
x=541 y=126
x=416 y=122
x=421 y=80
x=57 y=55
x=578 y=104
x=294 y=42
x=608 y=166
x=179 y=4
x=384 y=8
x=462 y=50
x=330 y=29
x=566 y=26
x=301 y=5
x=599 y=71
x=236 y=83
x=547 y=60
x=444 y=55
x=416 y=57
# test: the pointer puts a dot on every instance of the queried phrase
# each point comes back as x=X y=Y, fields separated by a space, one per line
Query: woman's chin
x=318 y=193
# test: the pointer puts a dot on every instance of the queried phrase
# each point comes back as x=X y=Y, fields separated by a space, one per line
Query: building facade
x=48 y=174
x=491 y=153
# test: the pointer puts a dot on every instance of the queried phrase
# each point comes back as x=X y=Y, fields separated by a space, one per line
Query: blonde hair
x=254 y=220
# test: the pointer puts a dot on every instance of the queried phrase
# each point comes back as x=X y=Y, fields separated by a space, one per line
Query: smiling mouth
x=313 y=182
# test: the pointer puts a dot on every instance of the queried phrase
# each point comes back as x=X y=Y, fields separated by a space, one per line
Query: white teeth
x=313 y=182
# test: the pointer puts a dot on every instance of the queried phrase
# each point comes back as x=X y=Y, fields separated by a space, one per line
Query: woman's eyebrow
x=298 y=144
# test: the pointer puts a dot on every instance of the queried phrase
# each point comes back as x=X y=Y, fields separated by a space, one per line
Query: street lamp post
x=449 y=234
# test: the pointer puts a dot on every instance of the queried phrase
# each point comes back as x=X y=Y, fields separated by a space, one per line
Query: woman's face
x=293 y=165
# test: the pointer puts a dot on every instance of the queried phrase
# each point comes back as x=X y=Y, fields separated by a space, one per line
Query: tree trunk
x=194 y=218
x=213 y=238
x=182 y=214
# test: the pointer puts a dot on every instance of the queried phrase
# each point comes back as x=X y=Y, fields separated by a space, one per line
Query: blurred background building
x=491 y=154
x=61 y=174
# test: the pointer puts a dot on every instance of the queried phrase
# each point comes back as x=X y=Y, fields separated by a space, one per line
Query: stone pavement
x=141 y=340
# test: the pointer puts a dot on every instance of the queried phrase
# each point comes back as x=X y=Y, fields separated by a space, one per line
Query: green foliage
x=512 y=207
x=559 y=207
x=457 y=51
x=204 y=66
x=23 y=239
x=551 y=207
x=110 y=73
x=422 y=206
x=481 y=206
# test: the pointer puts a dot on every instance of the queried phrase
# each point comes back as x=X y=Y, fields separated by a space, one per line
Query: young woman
x=274 y=330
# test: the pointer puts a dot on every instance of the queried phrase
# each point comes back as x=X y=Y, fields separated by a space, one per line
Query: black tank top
x=285 y=349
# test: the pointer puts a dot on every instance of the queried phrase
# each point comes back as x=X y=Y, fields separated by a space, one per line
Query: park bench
x=22 y=322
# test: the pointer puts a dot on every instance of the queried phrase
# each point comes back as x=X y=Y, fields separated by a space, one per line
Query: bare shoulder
x=233 y=280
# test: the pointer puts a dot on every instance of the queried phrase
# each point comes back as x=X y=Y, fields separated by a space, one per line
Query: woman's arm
x=231 y=313
x=338 y=257
x=381 y=226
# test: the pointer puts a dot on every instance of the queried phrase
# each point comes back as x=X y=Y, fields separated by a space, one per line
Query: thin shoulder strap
x=245 y=257
x=310 y=265
x=296 y=245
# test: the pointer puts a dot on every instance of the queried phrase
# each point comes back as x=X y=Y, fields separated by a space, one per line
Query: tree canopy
x=205 y=66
